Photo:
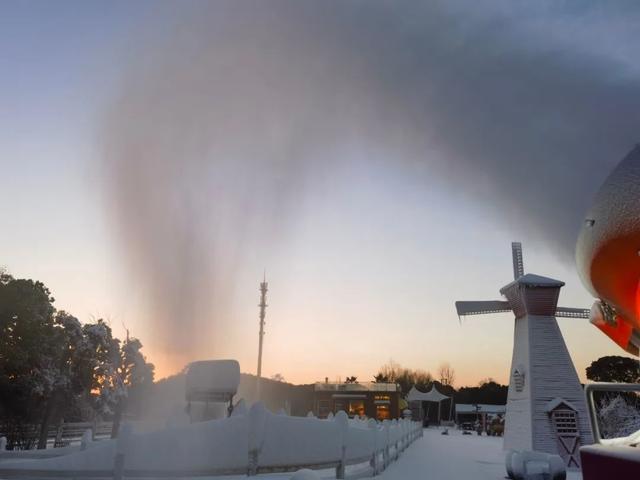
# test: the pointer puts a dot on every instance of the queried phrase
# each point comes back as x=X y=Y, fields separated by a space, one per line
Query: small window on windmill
x=565 y=422
x=518 y=379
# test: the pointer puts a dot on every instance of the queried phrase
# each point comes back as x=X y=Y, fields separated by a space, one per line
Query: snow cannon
x=212 y=381
x=608 y=254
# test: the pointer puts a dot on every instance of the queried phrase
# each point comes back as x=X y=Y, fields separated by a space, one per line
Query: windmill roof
x=533 y=280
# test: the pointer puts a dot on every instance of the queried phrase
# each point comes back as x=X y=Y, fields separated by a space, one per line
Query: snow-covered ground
x=436 y=457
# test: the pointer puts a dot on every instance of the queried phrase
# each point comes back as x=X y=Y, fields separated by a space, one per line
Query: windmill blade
x=567 y=312
x=482 y=307
x=518 y=264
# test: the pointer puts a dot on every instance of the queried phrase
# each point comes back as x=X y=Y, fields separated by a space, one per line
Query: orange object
x=608 y=254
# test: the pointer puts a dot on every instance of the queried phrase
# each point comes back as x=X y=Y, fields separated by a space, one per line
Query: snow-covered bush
x=618 y=417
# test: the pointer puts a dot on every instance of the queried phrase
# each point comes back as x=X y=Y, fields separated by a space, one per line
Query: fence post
x=58 y=440
x=405 y=436
x=385 y=452
x=257 y=421
x=123 y=444
x=3 y=444
x=373 y=426
x=86 y=439
x=342 y=422
x=394 y=425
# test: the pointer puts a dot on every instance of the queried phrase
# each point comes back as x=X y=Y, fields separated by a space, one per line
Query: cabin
x=373 y=400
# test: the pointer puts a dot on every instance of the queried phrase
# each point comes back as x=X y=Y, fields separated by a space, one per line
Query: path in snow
x=452 y=457
x=433 y=457
x=438 y=457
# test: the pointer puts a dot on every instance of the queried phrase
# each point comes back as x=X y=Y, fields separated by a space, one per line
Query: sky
x=375 y=158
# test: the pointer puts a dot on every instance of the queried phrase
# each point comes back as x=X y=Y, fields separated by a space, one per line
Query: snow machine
x=608 y=261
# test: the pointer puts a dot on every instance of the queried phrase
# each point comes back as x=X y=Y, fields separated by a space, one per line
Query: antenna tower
x=263 y=310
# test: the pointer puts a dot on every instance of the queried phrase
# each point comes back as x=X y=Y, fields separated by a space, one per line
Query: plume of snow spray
x=228 y=116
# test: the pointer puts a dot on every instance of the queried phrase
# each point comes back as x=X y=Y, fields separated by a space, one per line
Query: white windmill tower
x=546 y=409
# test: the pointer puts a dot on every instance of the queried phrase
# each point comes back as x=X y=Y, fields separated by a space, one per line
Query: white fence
x=257 y=441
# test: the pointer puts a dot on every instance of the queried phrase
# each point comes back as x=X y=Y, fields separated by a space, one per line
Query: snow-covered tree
x=81 y=364
x=50 y=363
x=133 y=375
x=619 y=417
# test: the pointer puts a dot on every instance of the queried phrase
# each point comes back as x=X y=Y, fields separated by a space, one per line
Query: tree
x=380 y=378
x=614 y=369
x=447 y=374
x=278 y=377
x=394 y=373
x=79 y=366
x=352 y=379
x=486 y=380
x=130 y=377
x=28 y=348
x=51 y=364
x=488 y=391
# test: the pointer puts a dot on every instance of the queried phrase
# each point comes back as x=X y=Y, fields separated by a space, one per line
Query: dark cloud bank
x=229 y=112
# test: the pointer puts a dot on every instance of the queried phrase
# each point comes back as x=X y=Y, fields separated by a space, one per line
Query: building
x=374 y=400
x=480 y=412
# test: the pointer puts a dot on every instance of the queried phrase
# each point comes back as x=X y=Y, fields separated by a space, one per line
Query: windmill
x=546 y=409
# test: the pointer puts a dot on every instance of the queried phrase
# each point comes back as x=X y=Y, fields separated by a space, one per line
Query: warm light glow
x=638 y=304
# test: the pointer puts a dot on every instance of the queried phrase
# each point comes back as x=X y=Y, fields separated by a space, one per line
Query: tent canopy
x=432 y=395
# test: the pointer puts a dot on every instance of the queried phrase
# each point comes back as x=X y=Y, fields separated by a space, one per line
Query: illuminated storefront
x=373 y=400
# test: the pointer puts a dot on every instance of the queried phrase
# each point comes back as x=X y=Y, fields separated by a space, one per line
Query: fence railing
x=250 y=443
x=25 y=436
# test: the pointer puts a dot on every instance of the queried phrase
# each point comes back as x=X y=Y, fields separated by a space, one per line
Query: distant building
x=375 y=400
x=478 y=412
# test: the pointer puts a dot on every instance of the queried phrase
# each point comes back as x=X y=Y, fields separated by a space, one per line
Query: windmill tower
x=546 y=409
x=263 y=311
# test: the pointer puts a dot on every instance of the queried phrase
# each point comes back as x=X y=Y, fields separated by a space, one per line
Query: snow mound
x=305 y=474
